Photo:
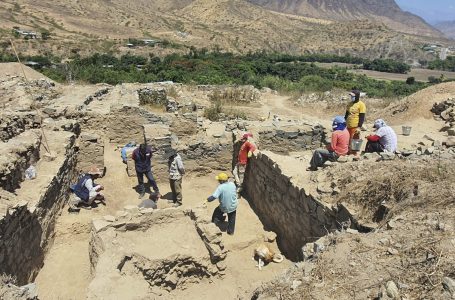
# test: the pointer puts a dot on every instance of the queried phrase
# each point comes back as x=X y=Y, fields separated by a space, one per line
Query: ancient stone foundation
x=296 y=216
x=134 y=246
x=27 y=218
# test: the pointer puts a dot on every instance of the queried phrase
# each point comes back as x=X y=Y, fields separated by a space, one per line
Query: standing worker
x=142 y=157
x=355 y=116
x=176 y=171
x=246 y=151
x=227 y=195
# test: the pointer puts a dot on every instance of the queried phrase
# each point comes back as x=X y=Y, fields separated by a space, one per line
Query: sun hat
x=222 y=177
x=94 y=171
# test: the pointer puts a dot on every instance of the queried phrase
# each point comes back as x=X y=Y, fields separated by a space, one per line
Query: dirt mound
x=409 y=256
x=418 y=105
x=14 y=69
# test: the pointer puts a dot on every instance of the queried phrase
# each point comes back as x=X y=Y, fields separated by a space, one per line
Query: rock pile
x=446 y=111
x=153 y=96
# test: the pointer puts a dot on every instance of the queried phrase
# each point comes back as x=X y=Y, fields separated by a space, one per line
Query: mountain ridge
x=386 y=11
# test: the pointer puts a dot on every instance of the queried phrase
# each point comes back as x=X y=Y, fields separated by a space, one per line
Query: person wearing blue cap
x=339 y=145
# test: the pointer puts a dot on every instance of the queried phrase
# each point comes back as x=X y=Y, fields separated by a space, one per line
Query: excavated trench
x=121 y=244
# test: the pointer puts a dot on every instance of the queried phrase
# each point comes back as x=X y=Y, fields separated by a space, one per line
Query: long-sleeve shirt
x=176 y=168
x=244 y=149
x=340 y=142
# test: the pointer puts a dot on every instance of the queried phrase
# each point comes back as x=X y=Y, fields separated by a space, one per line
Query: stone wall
x=27 y=220
x=17 y=155
x=13 y=124
x=282 y=137
x=297 y=217
x=122 y=125
x=91 y=152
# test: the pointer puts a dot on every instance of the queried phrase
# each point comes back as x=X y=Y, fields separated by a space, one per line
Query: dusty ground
x=58 y=279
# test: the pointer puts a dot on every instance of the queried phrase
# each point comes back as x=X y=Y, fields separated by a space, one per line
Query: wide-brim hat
x=94 y=171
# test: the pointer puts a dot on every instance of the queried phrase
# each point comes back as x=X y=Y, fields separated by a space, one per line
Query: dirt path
x=58 y=278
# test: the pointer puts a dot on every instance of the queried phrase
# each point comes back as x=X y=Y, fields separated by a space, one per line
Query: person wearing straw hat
x=226 y=193
x=384 y=140
x=86 y=191
x=339 y=145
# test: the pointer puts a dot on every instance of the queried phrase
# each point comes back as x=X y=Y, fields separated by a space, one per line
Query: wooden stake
x=46 y=145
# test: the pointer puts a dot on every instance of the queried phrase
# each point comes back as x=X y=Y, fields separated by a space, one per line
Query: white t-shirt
x=388 y=138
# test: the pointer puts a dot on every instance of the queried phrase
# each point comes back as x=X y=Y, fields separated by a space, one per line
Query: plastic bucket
x=356 y=145
x=406 y=130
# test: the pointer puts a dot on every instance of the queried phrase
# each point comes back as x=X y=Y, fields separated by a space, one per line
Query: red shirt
x=243 y=153
x=340 y=142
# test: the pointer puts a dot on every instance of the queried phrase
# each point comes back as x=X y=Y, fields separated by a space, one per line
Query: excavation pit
x=156 y=251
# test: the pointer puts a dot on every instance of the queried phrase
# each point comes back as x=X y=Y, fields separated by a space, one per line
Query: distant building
x=26 y=34
x=149 y=42
x=443 y=53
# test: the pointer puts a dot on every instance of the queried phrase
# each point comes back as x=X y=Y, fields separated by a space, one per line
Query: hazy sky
x=431 y=10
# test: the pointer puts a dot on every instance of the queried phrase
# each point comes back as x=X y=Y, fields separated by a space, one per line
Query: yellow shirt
x=354 y=110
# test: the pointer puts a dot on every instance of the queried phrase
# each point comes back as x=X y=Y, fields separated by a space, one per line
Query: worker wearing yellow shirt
x=355 y=116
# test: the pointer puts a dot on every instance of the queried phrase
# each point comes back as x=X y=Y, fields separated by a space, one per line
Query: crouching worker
x=86 y=191
x=227 y=195
x=384 y=139
x=339 y=145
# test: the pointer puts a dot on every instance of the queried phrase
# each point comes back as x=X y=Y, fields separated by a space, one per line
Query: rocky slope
x=448 y=28
x=385 y=11
x=232 y=25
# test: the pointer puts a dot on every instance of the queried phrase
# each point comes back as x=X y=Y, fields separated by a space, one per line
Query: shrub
x=410 y=80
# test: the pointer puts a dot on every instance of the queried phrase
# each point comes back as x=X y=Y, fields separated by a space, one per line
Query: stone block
x=100 y=225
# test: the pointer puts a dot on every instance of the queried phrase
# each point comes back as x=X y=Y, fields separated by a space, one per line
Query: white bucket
x=356 y=144
x=406 y=130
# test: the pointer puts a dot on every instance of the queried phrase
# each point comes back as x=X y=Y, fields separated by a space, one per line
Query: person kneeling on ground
x=227 y=195
x=176 y=171
x=339 y=145
x=385 y=138
x=86 y=191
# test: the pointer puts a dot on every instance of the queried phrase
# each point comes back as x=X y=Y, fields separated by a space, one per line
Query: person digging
x=86 y=191
x=226 y=193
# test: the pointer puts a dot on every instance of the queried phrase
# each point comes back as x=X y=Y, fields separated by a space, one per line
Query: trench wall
x=295 y=216
x=27 y=226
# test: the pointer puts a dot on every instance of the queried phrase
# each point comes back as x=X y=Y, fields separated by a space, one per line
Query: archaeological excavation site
x=377 y=227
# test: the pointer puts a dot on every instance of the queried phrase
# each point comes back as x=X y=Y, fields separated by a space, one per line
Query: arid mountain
x=386 y=11
x=448 y=28
x=233 y=25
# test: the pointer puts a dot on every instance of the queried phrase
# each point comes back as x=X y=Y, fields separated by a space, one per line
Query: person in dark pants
x=176 y=171
x=226 y=193
x=142 y=157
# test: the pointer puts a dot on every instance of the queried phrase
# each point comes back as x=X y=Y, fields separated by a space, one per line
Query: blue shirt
x=227 y=194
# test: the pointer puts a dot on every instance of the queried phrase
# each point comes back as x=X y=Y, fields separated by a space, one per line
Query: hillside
x=232 y=25
x=448 y=28
x=385 y=11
